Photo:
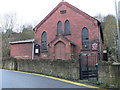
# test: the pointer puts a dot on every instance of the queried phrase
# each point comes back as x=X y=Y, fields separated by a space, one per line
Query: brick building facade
x=64 y=33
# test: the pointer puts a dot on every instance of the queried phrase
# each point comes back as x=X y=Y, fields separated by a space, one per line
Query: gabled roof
x=68 y=5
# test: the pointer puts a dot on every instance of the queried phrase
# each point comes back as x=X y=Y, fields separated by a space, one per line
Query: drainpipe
x=99 y=44
x=33 y=51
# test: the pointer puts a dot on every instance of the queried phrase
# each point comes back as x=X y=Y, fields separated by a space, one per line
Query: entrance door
x=60 y=50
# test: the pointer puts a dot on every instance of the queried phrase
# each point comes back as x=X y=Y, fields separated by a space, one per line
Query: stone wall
x=68 y=69
x=110 y=74
x=8 y=64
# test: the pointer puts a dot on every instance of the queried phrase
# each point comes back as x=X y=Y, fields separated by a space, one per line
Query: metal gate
x=88 y=66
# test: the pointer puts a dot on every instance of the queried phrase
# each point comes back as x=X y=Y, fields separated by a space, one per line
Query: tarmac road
x=12 y=79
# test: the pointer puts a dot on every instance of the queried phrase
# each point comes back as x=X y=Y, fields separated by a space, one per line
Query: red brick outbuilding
x=64 y=33
x=22 y=49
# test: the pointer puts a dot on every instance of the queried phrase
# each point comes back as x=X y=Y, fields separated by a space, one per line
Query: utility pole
x=117 y=26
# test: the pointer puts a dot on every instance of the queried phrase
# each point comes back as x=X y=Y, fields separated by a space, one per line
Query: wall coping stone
x=116 y=64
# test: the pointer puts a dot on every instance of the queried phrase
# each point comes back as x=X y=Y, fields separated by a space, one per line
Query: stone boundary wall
x=68 y=69
x=109 y=74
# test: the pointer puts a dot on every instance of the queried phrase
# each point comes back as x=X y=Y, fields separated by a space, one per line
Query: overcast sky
x=29 y=11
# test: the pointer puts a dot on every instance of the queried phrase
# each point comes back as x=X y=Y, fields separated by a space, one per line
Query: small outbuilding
x=22 y=49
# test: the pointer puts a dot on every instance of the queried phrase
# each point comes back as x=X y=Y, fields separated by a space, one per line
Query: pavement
x=17 y=79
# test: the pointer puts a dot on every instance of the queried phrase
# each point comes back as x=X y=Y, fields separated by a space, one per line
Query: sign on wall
x=37 y=49
x=95 y=46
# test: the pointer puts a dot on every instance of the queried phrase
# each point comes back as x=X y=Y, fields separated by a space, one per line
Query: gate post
x=80 y=66
x=96 y=71
x=87 y=67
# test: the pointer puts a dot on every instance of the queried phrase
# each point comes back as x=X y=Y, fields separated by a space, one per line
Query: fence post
x=96 y=65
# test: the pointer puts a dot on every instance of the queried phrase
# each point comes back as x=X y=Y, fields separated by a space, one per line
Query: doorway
x=60 y=50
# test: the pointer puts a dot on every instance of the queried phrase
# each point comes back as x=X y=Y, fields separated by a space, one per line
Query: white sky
x=30 y=11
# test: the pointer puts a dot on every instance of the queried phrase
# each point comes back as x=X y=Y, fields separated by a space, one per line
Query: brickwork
x=21 y=51
x=78 y=20
x=72 y=42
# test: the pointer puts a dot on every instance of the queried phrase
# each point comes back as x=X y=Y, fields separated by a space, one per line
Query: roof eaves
x=23 y=41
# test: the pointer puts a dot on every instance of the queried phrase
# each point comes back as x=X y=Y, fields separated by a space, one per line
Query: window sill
x=85 y=50
x=59 y=34
x=44 y=51
x=66 y=34
x=36 y=54
x=63 y=34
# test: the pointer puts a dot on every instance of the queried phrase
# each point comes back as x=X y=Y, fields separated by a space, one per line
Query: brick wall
x=23 y=51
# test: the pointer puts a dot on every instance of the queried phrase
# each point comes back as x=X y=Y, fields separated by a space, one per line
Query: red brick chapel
x=64 y=33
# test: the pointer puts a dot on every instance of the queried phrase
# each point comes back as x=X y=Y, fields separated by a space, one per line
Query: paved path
x=12 y=79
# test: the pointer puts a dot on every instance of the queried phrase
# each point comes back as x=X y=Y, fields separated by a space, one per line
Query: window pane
x=67 y=27
x=63 y=11
x=85 y=39
x=59 y=28
x=44 y=41
x=85 y=34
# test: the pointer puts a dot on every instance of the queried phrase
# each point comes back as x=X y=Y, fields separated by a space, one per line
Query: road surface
x=12 y=79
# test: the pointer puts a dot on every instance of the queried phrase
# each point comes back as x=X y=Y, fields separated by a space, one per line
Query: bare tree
x=99 y=17
x=8 y=21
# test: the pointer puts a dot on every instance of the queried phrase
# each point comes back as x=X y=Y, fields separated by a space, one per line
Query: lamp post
x=117 y=26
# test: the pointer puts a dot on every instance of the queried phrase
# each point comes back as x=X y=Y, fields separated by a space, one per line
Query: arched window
x=59 y=28
x=85 y=38
x=44 y=41
x=67 y=27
